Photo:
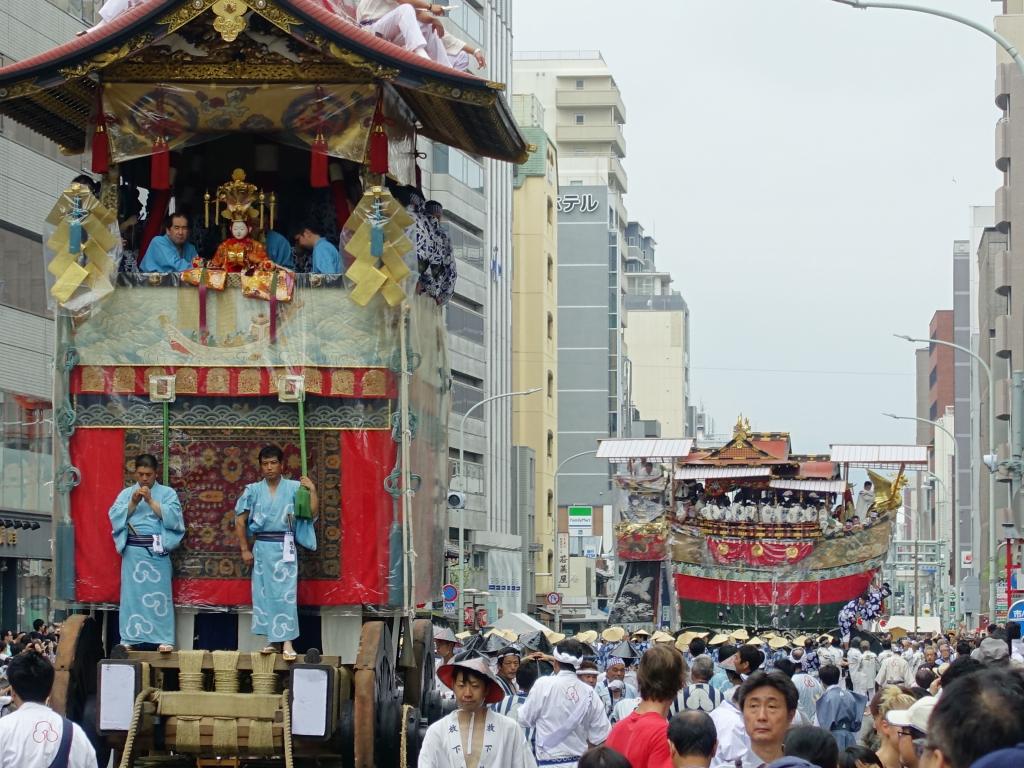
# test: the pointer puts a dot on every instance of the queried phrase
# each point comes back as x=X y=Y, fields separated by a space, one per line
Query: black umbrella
x=535 y=641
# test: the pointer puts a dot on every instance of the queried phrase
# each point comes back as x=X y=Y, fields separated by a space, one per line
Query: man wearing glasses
x=912 y=725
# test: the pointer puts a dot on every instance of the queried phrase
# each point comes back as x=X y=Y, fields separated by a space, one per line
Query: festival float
x=749 y=533
x=251 y=113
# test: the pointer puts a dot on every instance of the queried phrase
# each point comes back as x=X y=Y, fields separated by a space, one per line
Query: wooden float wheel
x=377 y=708
x=419 y=679
x=79 y=650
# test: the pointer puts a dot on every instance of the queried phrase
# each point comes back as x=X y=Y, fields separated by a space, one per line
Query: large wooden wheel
x=377 y=707
x=79 y=650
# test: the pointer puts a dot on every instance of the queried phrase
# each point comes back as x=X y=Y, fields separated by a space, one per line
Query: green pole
x=302 y=434
x=167 y=442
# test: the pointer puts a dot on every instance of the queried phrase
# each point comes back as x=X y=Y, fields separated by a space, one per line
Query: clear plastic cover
x=227 y=367
x=187 y=114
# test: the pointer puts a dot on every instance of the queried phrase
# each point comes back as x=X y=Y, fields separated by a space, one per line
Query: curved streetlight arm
x=923 y=420
x=1001 y=41
x=992 y=450
x=941 y=342
x=462 y=425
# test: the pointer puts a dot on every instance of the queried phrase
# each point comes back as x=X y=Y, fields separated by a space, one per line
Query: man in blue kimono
x=171 y=251
x=266 y=511
x=147 y=525
x=326 y=260
x=839 y=710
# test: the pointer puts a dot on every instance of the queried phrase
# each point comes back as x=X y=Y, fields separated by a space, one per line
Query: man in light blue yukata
x=326 y=259
x=171 y=251
x=266 y=511
x=279 y=249
x=147 y=524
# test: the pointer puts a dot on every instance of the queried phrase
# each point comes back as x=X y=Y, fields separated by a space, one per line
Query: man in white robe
x=865 y=499
x=474 y=736
x=567 y=714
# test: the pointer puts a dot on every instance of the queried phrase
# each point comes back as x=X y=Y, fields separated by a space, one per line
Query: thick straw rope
x=190 y=676
x=263 y=678
x=225 y=671
x=133 y=726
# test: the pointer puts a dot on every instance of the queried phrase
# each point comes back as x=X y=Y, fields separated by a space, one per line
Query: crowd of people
x=729 y=700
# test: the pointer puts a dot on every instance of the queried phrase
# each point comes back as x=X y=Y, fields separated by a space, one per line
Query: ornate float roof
x=300 y=41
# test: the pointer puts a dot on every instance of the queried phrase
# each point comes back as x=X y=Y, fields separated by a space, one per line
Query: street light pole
x=1001 y=41
x=952 y=439
x=462 y=464
x=991 y=564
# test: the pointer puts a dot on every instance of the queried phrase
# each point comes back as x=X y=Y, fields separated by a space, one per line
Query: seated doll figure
x=241 y=251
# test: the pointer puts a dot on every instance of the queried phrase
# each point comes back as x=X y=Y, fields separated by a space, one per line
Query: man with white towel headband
x=567 y=714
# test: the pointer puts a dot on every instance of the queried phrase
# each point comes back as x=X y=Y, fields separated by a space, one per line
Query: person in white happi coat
x=863 y=668
x=474 y=736
x=445 y=643
x=567 y=714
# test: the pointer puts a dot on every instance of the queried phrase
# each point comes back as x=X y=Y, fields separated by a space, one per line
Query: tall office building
x=477 y=196
x=657 y=338
x=584 y=112
x=535 y=325
x=32 y=173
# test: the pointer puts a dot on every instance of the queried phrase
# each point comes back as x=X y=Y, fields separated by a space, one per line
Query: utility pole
x=917 y=582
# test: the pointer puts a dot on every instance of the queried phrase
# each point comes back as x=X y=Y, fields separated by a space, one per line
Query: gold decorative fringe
x=225 y=671
x=190 y=676
x=263 y=678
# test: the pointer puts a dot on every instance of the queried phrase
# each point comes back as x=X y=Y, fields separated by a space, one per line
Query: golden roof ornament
x=742 y=429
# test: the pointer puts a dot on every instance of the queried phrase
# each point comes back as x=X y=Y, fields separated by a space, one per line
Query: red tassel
x=160 y=166
x=100 y=142
x=378 y=140
x=318 y=163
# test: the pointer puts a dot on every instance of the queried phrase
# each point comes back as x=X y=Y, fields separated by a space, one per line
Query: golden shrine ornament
x=230 y=19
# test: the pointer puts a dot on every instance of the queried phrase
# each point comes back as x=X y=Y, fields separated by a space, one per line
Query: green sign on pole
x=581 y=519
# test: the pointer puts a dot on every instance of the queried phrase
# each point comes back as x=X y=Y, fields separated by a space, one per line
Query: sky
x=805 y=168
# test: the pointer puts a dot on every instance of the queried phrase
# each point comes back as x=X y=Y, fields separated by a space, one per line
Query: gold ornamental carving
x=217 y=381
x=186 y=381
x=343 y=382
x=237 y=71
x=375 y=384
x=92 y=379
x=183 y=14
x=355 y=61
x=273 y=13
x=314 y=381
x=230 y=19
x=249 y=382
x=108 y=57
x=467 y=96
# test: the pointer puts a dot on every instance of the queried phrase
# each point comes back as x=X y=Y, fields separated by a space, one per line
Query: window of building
x=26 y=453
x=579 y=118
x=551 y=444
x=459 y=166
x=551 y=503
x=579 y=85
x=575 y=182
x=551 y=270
x=551 y=211
x=466 y=245
x=465 y=322
x=551 y=327
x=551 y=385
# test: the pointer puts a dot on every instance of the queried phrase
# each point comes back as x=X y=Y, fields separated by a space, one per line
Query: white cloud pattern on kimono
x=138 y=626
x=144 y=572
x=157 y=602
x=282 y=625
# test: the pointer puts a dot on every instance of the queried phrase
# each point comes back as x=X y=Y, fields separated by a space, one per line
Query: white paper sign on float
x=309 y=702
x=117 y=696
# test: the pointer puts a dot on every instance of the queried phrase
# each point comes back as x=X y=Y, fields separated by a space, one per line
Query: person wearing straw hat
x=445 y=642
x=473 y=735
x=641 y=639
x=610 y=637
x=566 y=713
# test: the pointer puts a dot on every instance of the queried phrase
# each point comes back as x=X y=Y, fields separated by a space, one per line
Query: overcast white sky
x=805 y=167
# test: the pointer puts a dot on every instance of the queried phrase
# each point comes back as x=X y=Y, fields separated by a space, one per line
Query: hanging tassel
x=379 y=140
x=160 y=165
x=318 y=163
x=100 y=142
